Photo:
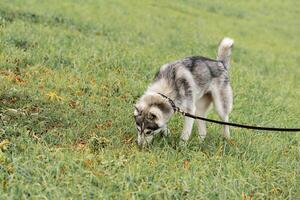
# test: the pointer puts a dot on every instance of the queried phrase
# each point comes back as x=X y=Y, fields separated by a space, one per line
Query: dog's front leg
x=188 y=125
x=165 y=132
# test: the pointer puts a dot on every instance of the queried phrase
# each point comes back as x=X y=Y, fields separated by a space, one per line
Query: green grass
x=70 y=72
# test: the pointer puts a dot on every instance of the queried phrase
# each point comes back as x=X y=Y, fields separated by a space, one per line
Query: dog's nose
x=139 y=145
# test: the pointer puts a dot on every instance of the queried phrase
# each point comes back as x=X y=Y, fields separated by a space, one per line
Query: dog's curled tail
x=224 y=51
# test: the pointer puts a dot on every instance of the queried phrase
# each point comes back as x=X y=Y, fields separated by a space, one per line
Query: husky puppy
x=193 y=83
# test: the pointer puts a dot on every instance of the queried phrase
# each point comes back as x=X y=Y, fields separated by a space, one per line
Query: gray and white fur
x=193 y=83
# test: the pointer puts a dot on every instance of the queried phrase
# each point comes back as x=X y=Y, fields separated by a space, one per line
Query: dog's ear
x=136 y=111
x=152 y=116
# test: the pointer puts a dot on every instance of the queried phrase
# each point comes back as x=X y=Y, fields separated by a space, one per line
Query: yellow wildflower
x=4 y=144
x=53 y=96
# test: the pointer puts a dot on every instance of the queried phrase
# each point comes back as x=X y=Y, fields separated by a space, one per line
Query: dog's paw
x=182 y=144
x=165 y=133
x=202 y=138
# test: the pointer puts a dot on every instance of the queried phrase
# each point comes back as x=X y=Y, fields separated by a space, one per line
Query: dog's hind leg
x=222 y=98
x=202 y=107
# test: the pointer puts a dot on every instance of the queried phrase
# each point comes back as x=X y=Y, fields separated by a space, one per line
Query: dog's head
x=151 y=114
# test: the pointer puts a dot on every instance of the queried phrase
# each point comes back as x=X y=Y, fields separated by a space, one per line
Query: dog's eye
x=148 y=132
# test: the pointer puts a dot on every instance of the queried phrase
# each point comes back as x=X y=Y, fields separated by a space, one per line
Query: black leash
x=177 y=109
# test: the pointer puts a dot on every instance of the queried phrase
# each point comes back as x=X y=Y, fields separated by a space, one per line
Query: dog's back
x=193 y=76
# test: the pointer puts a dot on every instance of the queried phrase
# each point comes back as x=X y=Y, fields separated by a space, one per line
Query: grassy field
x=70 y=72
